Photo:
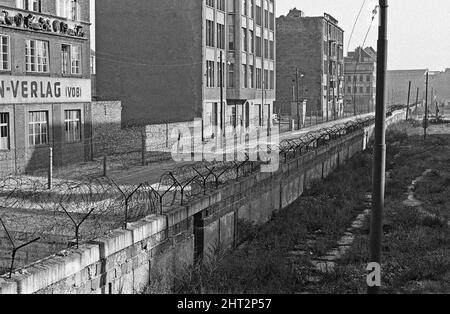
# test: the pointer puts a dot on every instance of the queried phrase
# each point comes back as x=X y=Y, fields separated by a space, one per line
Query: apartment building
x=360 y=73
x=193 y=59
x=313 y=46
x=45 y=86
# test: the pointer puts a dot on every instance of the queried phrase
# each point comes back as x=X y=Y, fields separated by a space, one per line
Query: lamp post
x=298 y=75
x=379 y=163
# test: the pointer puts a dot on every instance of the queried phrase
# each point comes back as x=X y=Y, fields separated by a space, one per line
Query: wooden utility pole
x=417 y=97
x=407 y=104
x=297 y=98
x=425 y=122
x=379 y=164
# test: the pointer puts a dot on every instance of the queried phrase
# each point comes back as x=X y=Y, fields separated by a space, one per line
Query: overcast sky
x=419 y=31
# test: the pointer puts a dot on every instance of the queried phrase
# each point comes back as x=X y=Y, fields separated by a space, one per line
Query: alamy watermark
x=373 y=275
x=234 y=144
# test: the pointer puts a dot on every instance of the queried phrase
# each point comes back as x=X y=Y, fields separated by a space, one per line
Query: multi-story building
x=177 y=61
x=312 y=46
x=360 y=80
x=45 y=87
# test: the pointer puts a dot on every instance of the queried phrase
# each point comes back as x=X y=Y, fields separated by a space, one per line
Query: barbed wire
x=84 y=209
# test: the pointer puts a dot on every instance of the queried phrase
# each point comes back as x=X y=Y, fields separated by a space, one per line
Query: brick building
x=360 y=80
x=314 y=46
x=45 y=86
x=170 y=69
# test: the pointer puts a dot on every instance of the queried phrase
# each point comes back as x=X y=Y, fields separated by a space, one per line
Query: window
x=4 y=131
x=349 y=90
x=266 y=48
x=251 y=74
x=68 y=8
x=72 y=125
x=361 y=78
x=220 y=36
x=266 y=19
x=271 y=50
x=252 y=9
x=31 y=5
x=245 y=7
x=209 y=33
x=258 y=46
x=349 y=78
x=92 y=64
x=36 y=56
x=71 y=59
x=65 y=57
x=368 y=78
x=361 y=90
x=244 y=40
x=368 y=90
x=233 y=117
x=231 y=35
x=244 y=76
x=75 y=59
x=210 y=3
x=221 y=5
x=258 y=15
x=38 y=128
x=258 y=78
x=251 y=39
x=231 y=75
x=272 y=80
x=209 y=73
x=271 y=21
x=4 y=53
x=220 y=73
x=266 y=79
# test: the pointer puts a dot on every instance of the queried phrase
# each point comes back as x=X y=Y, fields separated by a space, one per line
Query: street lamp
x=297 y=77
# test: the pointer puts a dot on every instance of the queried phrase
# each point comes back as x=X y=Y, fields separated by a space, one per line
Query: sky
x=418 y=31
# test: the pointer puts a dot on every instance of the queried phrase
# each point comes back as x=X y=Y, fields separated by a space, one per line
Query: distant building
x=360 y=80
x=440 y=84
x=398 y=84
x=162 y=60
x=45 y=85
x=314 y=46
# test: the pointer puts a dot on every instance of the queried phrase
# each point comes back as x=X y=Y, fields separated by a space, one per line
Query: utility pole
x=379 y=164
x=425 y=122
x=407 y=104
x=417 y=98
x=222 y=126
x=297 y=98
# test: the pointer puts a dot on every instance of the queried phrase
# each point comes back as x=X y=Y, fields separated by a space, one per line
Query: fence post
x=143 y=148
x=50 y=168
x=105 y=166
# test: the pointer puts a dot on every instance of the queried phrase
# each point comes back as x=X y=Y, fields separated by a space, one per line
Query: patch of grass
x=261 y=265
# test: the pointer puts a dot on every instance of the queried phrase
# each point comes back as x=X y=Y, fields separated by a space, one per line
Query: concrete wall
x=109 y=137
x=153 y=250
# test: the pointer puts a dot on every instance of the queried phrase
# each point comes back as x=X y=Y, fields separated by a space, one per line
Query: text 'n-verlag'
x=34 y=89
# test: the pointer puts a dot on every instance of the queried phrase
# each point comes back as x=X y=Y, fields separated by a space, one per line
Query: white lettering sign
x=26 y=89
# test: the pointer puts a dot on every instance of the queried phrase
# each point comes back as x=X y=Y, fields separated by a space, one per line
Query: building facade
x=208 y=59
x=360 y=73
x=312 y=46
x=45 y=86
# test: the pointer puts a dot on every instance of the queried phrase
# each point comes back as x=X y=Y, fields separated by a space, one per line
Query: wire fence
x=82 y=210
